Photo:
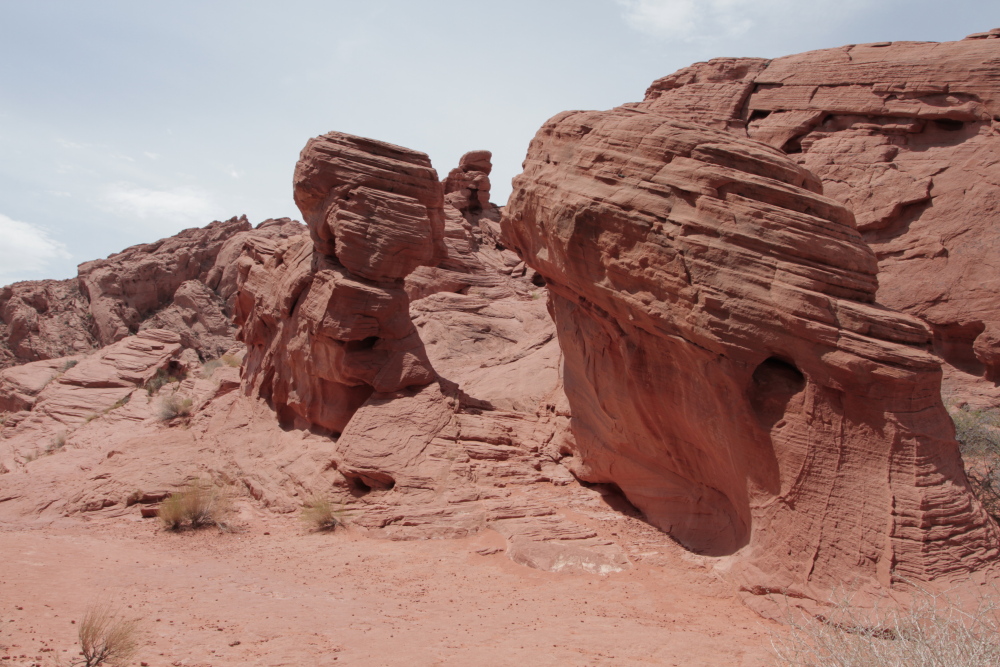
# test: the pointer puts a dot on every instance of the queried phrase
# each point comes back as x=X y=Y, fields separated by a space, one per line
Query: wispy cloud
x=713 y=20
x=177 y=205
x=26 y=248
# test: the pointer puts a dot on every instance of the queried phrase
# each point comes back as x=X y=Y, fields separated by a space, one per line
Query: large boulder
x=726 y=363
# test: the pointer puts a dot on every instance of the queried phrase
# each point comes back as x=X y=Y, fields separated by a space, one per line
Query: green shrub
x=174 y=406
x=69 y=364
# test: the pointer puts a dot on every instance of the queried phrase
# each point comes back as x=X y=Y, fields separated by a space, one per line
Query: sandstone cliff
x=726 y=364
x=907 y=136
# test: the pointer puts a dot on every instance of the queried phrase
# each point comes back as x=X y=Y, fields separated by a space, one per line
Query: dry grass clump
x=978 y=435
x=319 y=513
x=210 y=366
x=69 y=364
x=107 y=637
x=934 y=631
x=201 y=503
x=174 y=406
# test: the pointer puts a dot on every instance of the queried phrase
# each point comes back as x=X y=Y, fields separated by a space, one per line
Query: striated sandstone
x=325 y=317
x=185 y=283
x=726 y=363
x=906 y=135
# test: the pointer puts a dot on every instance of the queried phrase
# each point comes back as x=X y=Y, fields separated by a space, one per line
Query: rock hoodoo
x=326 y=319
x=725 y=362
x=906 y=135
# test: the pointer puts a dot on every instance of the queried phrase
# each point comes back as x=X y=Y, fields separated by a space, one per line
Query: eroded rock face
x=907 y=136
x=185 y=283
x=725 y=362
x=325 y=317
x=43 y=319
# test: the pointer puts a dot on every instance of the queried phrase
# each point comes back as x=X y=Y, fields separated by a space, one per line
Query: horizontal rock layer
x=906 y=135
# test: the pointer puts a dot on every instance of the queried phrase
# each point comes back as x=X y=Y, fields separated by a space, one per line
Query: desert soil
x=274 y=593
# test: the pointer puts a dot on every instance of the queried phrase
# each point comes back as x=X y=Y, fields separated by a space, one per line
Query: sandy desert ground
x=274 y=593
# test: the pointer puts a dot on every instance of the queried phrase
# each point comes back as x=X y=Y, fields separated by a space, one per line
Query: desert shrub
x=3 y=417
x=70 y=364
x=230 y=360
x=58 y=442
x=935 y=630
x=121 y=402
x=978 y=435
x=209 y=367
x=107 y=637
x=161 y=378
x=319 y=513
x=174 y=406
x=201 y=503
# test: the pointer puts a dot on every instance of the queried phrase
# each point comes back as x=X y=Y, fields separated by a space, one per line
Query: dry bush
x=121 y=402
x=936 y=630
x=58 y=442
x=201 y=503
x=978 y=435
x=320 y=513
x=210 y=366
x=69 y=364
x=174 y=406
x=231 y=360
x=107 y=637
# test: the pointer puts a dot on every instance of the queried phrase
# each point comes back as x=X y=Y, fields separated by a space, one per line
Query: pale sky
x=123 y=122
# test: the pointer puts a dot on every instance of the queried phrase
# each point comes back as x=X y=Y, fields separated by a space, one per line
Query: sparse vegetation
x=201 y=503
x=70 y=364
x=231 y=360
x=978 y=435
x=161 y=378
x=3 y=418
x=58 y=442
x=173 y=406
x=91 y=417
x=107 y=637
x=935 y=630
x=319 y=513
x=119 y=403
x=210 y=366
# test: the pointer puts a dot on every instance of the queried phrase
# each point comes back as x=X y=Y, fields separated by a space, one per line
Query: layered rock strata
x=726 y=364
x=906 y=135
x=325 y=317
x=185 y=283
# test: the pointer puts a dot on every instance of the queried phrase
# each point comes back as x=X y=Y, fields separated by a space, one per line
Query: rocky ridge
x=184 y=283
x=906 y=135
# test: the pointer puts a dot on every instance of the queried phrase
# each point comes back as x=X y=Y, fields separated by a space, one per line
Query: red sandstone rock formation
x=326 y=319
x=906 y=135
x=43 y=319
x=726 y=364
x=185 y=283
